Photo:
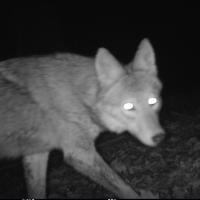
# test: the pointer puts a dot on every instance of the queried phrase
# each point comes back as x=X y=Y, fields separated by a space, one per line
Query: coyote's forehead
x=132 y=87
x=140 y=82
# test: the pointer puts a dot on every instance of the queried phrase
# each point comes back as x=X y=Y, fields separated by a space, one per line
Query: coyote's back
x=65 y=100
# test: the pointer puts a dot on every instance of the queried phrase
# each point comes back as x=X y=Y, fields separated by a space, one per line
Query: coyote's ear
x=145 y=58
x=107 y=67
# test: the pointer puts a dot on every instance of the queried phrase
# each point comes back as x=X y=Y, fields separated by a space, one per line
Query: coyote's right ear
x=107 y=67
x=145 y=58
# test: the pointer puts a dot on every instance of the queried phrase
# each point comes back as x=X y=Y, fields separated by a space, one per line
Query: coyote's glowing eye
x=128 y=106
x=152 y=101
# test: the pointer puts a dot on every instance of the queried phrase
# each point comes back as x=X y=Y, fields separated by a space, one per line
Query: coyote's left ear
x=107 y=67
x=145 y=58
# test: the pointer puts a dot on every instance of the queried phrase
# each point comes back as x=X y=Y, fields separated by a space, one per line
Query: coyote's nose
x=159 y=137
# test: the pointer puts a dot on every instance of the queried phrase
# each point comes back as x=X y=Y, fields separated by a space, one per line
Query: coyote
x=64 y=101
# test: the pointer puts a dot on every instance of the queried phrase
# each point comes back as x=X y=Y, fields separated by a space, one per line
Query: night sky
x=45 y=27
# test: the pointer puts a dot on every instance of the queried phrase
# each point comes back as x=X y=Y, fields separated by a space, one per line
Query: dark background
x=44 y=27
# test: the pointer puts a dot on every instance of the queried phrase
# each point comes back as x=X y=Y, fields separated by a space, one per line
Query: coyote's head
x=129 y=97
